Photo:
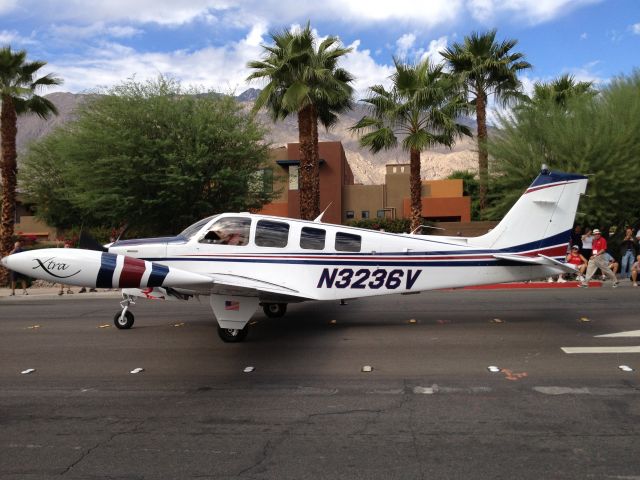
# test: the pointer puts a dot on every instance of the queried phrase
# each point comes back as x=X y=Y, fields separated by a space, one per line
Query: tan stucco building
x=442 y=200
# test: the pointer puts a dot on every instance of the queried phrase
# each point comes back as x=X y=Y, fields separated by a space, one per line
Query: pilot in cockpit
x=226 y=233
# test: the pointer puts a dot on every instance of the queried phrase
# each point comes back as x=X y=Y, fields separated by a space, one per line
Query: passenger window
x=312 y=238
x=346 y=242
x=272 y=234
x=228 y=231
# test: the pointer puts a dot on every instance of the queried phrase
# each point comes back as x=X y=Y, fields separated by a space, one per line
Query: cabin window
x=228 y=231
x=272 y=234
x=312 y=238
x=346 y=242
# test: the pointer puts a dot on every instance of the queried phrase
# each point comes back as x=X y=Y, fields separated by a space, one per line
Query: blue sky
x=208 y=42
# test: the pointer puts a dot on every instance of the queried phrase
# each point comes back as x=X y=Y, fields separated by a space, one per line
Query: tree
x=150 y=154
x=18 y=87
x=486 y=68
x=560 y=91
x=590 y=134
x=420 y=111
x=304 y=80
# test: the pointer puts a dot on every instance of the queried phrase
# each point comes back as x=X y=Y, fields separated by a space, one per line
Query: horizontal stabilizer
x=539 y=260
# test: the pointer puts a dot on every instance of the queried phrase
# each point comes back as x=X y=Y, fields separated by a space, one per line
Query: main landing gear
x=233 y=335
x=274 y=310
x=124 y=319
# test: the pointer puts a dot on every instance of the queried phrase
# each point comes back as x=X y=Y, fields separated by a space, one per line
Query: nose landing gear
x=124 y=319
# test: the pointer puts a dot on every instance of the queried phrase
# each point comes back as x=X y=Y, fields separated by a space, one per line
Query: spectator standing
x=15 y=276
x=598 y=260
x=587 y=243
x=628 y=252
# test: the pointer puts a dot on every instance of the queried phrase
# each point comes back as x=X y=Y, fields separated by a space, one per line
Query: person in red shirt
x=599 y=260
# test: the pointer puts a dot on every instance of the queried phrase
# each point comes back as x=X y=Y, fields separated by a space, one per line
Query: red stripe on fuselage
x=132 y=272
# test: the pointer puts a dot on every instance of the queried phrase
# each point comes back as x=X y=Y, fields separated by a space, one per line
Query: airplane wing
x=223 y=284
x=539 y=260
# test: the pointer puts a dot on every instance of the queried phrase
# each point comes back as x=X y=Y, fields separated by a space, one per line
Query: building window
x=380 y=214
x=293 y=177
x=350 y=215
x=365 y=213
x=312 y=238
x=395 y=169
x=346 y=242
x=272 y=234
x=401 y=169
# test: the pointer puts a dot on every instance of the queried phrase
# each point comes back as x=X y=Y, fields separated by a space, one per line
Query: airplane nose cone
x=4 y=261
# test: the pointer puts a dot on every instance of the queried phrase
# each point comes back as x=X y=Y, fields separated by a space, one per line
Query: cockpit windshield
x=191 y=230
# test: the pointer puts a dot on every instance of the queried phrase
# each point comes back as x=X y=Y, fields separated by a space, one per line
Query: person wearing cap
x=575 y=258
x=598 y=260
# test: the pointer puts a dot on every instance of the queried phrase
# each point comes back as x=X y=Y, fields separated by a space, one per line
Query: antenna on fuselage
x=318 y=219
x=424 y=226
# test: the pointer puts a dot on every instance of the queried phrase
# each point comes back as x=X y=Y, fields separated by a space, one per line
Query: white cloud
x=367 y=72
x=434 y=49
x=635 y=28
x=584 y=36
x=13 y=38
x=531 y=11
x=98 y=29
x=404 y=43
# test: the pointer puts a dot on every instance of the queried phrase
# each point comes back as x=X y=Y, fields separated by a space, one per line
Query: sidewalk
x=52 y=292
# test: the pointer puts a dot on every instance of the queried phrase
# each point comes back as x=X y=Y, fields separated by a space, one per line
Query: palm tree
x=18 y=85
x=420 y=111
x=304 y=79
x=486 y=68
x=561 y=90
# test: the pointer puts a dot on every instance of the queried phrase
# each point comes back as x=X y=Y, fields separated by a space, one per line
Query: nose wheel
x=124 y=319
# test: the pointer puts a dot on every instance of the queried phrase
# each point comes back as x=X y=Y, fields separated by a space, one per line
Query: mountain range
x=367 y=167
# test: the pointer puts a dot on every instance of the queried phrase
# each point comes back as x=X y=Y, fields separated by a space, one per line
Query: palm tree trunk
x=415 y=187
x=483 y=155
x=8 y=167
x=305 y=172
x=315 y=207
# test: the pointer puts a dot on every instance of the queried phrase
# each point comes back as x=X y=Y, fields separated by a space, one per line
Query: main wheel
x=125 y=322
x=274 y=310
x=233 y=335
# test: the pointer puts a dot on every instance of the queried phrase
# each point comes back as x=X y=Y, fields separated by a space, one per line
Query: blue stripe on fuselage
x=107 y=267
x=158 y=274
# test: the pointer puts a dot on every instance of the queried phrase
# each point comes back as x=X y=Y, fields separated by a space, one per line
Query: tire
x=233 y=335
x=274 y=310
x=126 y=322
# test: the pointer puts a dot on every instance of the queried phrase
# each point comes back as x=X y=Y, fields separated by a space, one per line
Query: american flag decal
x=229 y=305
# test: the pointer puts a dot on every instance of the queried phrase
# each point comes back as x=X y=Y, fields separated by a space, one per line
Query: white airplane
x=243 y=261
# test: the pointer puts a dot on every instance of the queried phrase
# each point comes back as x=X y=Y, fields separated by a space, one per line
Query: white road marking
x=137 y=370
x=493 y=369
x=248 y=369
x=367 y=368
x=632 y=349
x=27 y=371
x=606 y=391
x=631 y=333
x=625 y=368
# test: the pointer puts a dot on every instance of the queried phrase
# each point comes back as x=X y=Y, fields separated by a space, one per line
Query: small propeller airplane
x=243 y=261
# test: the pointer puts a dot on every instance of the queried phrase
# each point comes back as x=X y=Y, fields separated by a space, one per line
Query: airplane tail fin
x=545 y=212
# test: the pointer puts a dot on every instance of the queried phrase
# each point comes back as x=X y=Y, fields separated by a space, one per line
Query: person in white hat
x=598 y=260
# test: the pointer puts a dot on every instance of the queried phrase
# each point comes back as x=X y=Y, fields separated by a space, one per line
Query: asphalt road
x=430 y=409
